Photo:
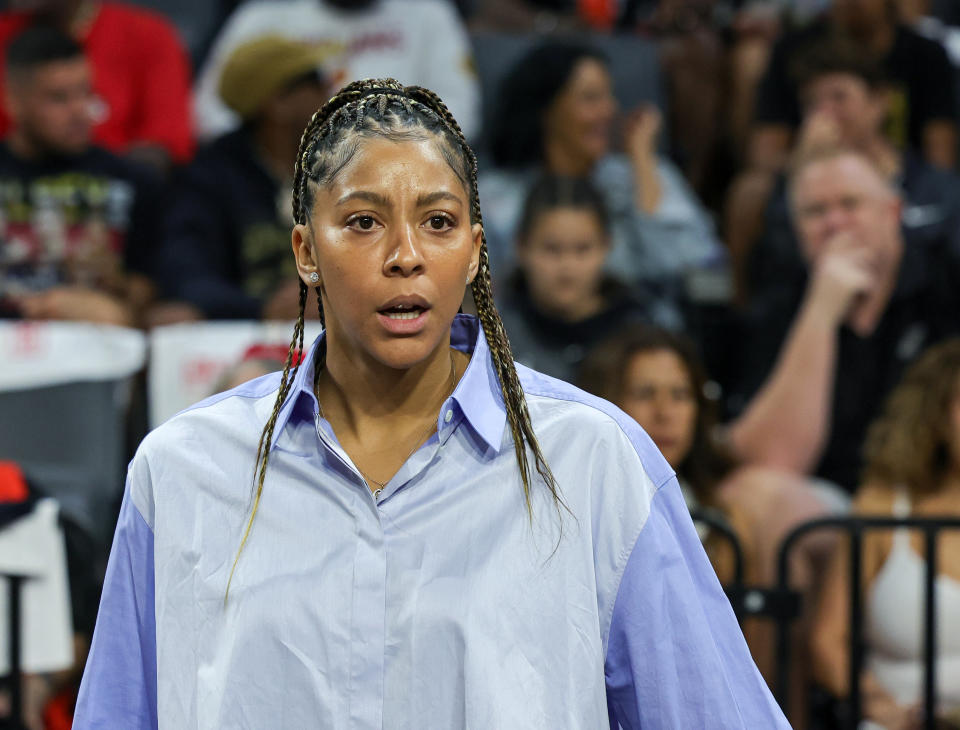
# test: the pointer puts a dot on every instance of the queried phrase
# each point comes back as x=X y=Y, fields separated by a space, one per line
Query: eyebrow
x=432 y=198
x=369 y=196
x=383 y=201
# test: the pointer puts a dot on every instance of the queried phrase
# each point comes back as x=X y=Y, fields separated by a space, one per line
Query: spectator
x=417 y=41
x=922 y=112
x=226 y=248
x=141 y=74
x=912 y=468
x=844 y=101
x=77 y=222
x=659 y=380
x=829 y=345
x=557 y=111
x=559 y=303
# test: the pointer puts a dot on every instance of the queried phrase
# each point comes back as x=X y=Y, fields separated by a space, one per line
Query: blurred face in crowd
x=562 y=259
x=579 y=119
x=845 y=194
x=856 y=109
x=658 y=394
x=51 y=106
x=391 y=238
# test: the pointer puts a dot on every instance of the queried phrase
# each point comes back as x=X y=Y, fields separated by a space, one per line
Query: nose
x=404 y=256
x=835 y=219
x=661 y=408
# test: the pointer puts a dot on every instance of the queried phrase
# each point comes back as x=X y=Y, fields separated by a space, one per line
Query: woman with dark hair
x=912 y=456
x=559 y=303
x=434 y=537
x=657 y=378
x=556 y=114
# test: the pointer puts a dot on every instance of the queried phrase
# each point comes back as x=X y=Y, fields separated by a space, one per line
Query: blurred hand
x=75 y=304
x=842 y=280
x=819 y=129
x=641 y=131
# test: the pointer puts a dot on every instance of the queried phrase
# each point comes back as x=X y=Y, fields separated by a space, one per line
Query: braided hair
x=385 y=108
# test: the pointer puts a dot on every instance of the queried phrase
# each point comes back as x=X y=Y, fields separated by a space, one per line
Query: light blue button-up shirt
x=438 y=604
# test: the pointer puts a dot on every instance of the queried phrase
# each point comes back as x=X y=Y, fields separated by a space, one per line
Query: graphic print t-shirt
x=85 y=220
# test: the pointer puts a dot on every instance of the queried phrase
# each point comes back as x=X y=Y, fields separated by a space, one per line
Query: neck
x=277 y=148
x=370 y=398
x=561 y=161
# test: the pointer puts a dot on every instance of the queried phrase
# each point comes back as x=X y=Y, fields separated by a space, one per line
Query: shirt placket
x=368 y=615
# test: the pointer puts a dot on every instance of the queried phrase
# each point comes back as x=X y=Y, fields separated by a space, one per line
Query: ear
x=476 y=231
x=302 y=243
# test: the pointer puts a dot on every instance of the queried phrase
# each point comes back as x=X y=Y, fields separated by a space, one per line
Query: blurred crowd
x=738 y=221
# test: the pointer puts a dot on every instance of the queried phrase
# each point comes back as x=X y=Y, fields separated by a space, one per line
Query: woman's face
x=657 y=394
x=562 y=259
x=579 y=119
x=390 y=237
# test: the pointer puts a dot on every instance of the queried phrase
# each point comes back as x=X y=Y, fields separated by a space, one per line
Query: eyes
x=436 y=221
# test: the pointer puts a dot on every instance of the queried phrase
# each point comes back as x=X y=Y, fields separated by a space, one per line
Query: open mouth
x=403 y=312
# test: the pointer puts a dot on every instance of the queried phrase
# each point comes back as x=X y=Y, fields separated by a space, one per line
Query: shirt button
x=448 y=417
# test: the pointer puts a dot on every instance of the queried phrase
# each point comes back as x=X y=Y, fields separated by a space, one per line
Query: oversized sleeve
x=119 y=686
x=675 y=655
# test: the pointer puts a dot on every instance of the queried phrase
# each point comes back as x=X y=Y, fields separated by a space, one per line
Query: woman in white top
x=913 y=467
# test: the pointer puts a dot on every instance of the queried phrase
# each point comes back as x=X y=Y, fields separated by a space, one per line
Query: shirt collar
x=477 y=395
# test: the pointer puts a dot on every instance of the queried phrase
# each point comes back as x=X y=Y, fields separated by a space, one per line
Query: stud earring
x=314 y=277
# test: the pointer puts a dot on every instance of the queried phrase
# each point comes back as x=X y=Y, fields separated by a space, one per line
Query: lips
x=404 y=315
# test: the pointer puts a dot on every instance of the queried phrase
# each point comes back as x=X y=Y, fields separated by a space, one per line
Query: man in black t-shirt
x=844 y=101
x=76 y=222
x=823 y=350
x=923 y=110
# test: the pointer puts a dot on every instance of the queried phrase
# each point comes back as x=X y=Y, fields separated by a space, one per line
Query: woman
x=912 y=468
x=435 y=538
x=556 y=112
x=559 y=303
x=657 y=378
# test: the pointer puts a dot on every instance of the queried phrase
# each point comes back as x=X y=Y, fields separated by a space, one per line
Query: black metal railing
x=15 y=582
x=855 y=527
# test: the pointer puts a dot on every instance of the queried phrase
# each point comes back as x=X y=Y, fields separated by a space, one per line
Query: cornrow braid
x=266 y=437
x=398 y=111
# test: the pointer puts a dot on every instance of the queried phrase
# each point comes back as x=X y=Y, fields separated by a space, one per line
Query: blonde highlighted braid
x=386 y=108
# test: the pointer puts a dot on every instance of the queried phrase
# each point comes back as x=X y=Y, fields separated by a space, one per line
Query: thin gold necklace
x=417 y=443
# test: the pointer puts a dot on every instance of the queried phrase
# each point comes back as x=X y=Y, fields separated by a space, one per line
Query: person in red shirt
x=141 y=74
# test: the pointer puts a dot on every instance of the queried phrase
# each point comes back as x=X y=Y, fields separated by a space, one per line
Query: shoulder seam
x=554 y=396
